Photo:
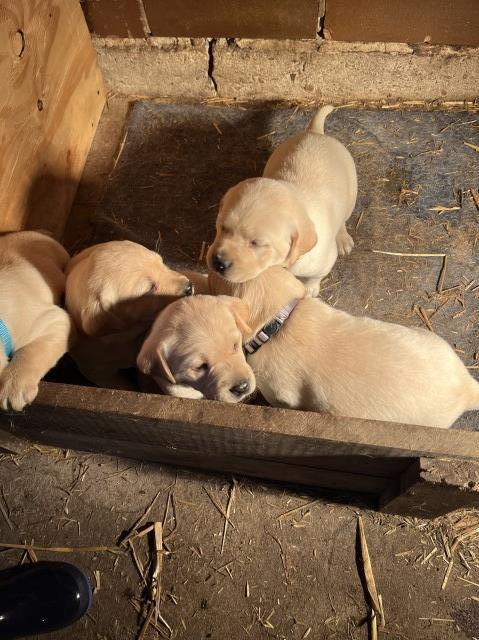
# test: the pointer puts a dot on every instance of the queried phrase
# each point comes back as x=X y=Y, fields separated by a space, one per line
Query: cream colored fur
x=194 y=349
x=32 y=283
x=114 y=291
x=324 y=359
x=294 y=215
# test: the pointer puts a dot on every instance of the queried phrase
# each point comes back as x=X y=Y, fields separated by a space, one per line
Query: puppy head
x=261 y=223
x=197 y=342
x=121 y=284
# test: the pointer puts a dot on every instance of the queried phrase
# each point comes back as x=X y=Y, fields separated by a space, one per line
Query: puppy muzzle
x=220 y=264
x=189 y=290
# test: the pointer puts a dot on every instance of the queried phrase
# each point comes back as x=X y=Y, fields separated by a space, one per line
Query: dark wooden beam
x=431 y=487
x=387 y=461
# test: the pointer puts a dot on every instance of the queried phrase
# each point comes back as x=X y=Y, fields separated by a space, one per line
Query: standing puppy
x=34 y=330
x=293 y=216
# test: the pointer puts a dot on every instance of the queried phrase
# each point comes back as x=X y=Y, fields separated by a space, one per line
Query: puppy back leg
x=344 y=241
x=20 y=378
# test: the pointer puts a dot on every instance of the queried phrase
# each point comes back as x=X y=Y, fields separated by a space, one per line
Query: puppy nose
x=240 y=388
x=220 y=264
x=189 y=289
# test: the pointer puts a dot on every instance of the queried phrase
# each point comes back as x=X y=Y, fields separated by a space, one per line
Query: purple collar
x=271 y=329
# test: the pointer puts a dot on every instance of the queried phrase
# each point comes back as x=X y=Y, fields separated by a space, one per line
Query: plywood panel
x=434 y=21
x=233 y=18
x=51 y=99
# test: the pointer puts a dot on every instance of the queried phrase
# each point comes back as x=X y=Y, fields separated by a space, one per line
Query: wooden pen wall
x=51 y=99
x=454 y=22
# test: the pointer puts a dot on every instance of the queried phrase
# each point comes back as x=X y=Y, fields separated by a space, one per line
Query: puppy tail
x=317 y=123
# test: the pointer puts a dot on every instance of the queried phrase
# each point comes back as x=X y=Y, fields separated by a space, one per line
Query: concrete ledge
x=304 y=71
x=166 y=67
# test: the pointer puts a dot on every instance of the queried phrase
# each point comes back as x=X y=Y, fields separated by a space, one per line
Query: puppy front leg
x=20 y=378
x=313 y=286
x=344 y=241
x=178 y=390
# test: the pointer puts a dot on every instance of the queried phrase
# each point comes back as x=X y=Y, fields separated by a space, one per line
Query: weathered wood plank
x=433 y=487
x=51 y=100
x=415 y=470
x=431 y=21
x=242 y=430
x=339 y=480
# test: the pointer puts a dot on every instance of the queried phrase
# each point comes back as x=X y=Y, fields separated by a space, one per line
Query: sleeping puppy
x=323 y=359
x=114 y=291
x=34 y=330
x=293 y=216
x=194 y=349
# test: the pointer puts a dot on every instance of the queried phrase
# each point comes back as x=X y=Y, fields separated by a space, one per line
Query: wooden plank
x=291 y=446
x=386 y=467
x=121 y=18
x=51 y=100
x=216 y=18
x=434 y=21
x=434 y=487
x=260 y=468
x=243 y=430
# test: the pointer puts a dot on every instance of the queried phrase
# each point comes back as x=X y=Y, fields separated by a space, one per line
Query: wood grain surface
x=51 y=99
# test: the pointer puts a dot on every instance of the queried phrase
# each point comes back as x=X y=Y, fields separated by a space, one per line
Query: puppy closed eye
x=203 y=366
x=258 y=243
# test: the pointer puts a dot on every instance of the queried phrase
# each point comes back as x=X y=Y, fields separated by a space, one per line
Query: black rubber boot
x=41 y=597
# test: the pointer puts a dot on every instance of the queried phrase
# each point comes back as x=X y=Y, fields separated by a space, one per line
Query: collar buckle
x=271 y=329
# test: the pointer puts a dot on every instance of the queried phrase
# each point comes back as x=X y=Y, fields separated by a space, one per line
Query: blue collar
x=6 y=340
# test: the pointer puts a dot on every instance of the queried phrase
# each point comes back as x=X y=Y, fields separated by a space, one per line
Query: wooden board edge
x=300 y=430
x=433 y=487
x=286 y=473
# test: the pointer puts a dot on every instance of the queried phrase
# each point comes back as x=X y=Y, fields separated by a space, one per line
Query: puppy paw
x=179 y=390
x=344 y=242
x=17 y=390
x=313 y=289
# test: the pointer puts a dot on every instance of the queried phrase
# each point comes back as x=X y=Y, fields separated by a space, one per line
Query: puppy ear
x=153 y=363
x=240 y=311
x=303 y=239
x=221 y=203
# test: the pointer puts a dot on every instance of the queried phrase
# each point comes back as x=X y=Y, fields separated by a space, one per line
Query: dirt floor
x=280 y=575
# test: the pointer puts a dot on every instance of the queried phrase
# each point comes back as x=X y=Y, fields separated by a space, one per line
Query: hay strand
x=368 y=570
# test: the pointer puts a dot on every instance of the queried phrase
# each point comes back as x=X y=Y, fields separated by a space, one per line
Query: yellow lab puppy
x=34 y=330
x=293 y=216
x=114 y=291
x=307 y=355
x=194 y=349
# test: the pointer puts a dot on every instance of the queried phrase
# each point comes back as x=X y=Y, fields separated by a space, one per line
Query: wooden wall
x=454 y=22
x=51 y=98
